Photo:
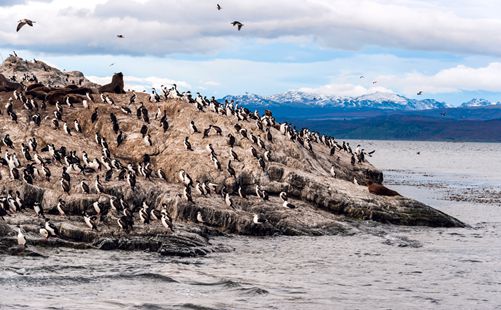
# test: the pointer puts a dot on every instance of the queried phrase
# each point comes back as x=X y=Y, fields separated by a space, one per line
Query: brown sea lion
x=381 y=190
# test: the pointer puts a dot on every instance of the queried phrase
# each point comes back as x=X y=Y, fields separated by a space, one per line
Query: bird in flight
x=219 y=7
x=120 y=36
x=374 y=82
x=23 y=22
x=420 y=93
x=237 y=24
x=362 y=77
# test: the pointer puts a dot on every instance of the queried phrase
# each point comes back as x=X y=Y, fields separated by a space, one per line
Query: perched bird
x=90 y=221
x=51 y=228
x=258 y=219
x=200 y=219
x=84 y=187
x=61 y=205
x=22 y=22
x=187 y=144
x=237 y=24
x=21 y=240
x=38 y=209
x=167 y=221
x=93 y=117
x=43 y=231
x=289 y=205
x=193 y=128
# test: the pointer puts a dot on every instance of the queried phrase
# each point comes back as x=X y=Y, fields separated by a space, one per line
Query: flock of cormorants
x=35 y=166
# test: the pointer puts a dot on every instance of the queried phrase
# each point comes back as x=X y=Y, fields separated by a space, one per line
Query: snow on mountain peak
x=477 y=102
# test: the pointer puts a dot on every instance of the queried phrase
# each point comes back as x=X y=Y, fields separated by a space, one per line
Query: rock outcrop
x=19 y=70
x=324 y=204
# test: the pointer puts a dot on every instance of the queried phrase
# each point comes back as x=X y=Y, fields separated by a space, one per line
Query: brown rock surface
x=324 y=204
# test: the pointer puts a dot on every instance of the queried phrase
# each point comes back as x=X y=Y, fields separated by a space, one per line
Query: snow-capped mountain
x=474 y=103
x=378 y=100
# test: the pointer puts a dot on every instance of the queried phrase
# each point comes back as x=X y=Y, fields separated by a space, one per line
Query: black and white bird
x=7 y=141
x=84 y=187
x=78 y=128
x=167 y=221
x=90 y=221
x=98 y=185
x=38 y=209
x=61 y=205
x=241 y=192
x=230 y=170
x=21 y=239
x=67 y=129
x=187 y=194
x=22 y=22
x=51 y=228
x=256 y=219
x=147 y=140
x=161 y=174
x=193 y=127
x=229 y=201
x=289 y=205
x=200 y=219
x=43 y=231
x=65 y=185
x=233 y=154
x=187 y=144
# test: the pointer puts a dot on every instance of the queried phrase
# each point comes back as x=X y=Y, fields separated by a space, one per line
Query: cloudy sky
x=449 y=49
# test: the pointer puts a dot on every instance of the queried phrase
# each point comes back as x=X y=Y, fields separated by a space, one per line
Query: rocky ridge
x=324 y=204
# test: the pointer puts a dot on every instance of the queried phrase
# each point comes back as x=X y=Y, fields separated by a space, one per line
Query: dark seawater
x=385 y=267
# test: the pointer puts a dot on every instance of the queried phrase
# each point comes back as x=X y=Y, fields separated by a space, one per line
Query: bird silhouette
x=238 y=24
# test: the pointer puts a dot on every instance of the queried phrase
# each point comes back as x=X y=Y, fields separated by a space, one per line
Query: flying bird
x=219 y=7
x=374 y=82
x=23 y=22
x=237 y=24
x=420 y=93
x=362 y=77
x=120 y=36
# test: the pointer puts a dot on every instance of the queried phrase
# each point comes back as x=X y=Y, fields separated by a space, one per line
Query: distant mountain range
x=383 y=116
x=479 y=103
x=377 y=100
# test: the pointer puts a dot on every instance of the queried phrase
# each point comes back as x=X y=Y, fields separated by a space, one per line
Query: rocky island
x=90 y=166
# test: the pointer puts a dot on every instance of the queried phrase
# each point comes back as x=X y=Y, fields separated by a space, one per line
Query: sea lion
x=381 y=190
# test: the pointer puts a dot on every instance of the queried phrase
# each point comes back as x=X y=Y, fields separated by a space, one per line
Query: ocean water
x=384 y=267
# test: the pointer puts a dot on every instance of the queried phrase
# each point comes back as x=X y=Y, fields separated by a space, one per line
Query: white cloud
x=163 y=27
x=142 y=83
x=456 y=79
x=451 y=80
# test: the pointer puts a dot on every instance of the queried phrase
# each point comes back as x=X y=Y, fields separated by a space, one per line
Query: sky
x=449 y=50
